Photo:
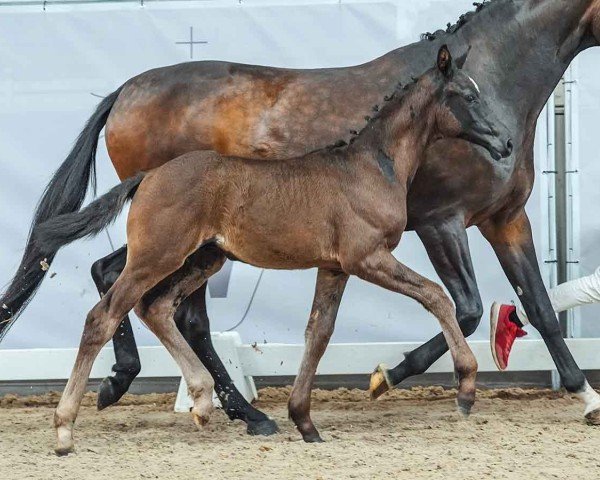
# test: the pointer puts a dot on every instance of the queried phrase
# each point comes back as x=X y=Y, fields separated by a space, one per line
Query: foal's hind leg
x=157 y=309
x=154 y=259
x=448 y=248
x=328 y=295
x=381 y=268
x=100 y=325
x=105 y=273
x=192 y=321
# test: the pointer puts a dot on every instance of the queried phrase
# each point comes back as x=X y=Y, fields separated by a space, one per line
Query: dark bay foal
x=341 y=210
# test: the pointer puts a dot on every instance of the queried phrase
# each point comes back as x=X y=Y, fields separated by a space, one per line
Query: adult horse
x=520 y=49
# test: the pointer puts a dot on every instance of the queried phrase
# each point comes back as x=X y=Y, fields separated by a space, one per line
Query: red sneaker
x=503 y=333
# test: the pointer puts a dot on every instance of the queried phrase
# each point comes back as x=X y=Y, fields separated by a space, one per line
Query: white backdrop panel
x=587 y=73
x=52 y=63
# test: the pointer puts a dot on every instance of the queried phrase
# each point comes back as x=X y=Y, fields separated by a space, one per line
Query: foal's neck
x=403 y=128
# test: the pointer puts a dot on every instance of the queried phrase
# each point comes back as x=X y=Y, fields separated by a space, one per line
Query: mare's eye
x=471 y=98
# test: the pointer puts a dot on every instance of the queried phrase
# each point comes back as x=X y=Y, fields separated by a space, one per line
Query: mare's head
x=462 y=112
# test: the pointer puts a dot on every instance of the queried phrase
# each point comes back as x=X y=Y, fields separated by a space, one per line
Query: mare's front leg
x=448 y=248
x=513 y=243
x=328 y=295
x=105 y=273
x=382 y=268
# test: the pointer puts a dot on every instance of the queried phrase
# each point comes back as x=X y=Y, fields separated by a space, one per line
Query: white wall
x=587 y=181
x=52 y=63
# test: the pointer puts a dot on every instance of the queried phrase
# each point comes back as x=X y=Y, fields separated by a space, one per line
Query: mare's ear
x=460 y=61
x=444 y=62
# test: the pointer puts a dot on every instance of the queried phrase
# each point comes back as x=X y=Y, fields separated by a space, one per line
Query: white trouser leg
x=583 y=291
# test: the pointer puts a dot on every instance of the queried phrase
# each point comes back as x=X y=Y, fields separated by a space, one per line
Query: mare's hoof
x=313 y=437
x=380 y=382
x=262 y=427
x=109 y=393
x=593 y=418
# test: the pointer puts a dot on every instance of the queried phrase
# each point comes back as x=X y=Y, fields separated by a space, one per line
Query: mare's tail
x=63 y=195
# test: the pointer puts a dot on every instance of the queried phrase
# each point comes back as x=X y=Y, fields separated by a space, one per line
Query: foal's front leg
x=382 y=268
x=328 y=295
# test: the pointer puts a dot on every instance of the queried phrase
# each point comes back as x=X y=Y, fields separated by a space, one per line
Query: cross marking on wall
x=191 y=42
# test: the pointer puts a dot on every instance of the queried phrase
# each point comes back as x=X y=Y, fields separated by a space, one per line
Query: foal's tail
x=64 y=194
x=64 y=229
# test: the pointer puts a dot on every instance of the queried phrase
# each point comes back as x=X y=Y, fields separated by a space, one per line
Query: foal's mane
x=399 y=92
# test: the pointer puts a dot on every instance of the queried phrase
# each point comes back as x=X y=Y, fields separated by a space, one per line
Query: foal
x=341 y=210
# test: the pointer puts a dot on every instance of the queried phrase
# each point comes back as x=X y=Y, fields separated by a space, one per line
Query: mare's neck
x=523 y=47
x=519 y=48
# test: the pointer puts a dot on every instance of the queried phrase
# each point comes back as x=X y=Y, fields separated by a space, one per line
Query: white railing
x=246 y=361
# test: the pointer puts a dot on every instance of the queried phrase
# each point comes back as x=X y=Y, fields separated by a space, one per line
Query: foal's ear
x=460 y=61
x=444 y=62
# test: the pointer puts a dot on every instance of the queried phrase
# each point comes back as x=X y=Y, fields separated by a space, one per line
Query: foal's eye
x=471 y=98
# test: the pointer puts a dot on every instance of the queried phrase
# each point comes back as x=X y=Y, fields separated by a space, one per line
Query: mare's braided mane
x=462 y=21
x=401 y=89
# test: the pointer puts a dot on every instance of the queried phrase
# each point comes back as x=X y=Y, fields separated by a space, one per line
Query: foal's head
x=460 y=110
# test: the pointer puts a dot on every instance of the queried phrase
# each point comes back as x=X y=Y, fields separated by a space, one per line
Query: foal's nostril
x=509 y=146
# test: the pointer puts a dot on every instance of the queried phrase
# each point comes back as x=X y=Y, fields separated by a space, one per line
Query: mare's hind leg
x=381 y=268
x=328 y=295
x=512 y=242
x=157 y=309
x=192 y=321
x=100 y=325
x=105 y=273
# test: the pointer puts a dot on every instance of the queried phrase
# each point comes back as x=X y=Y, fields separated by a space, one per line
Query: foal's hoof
x=380 y=382
x=109 y=393
x=593 y=418
x=64 y=450
x=312 y=437
x=464 y=409
x=64 y=442
x=262 y=427
x=464 y=405
x=200 y=420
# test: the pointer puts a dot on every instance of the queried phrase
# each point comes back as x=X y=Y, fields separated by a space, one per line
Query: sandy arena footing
x=413 y=434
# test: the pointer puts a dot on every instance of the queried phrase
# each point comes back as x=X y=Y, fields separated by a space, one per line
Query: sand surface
x=407 y=435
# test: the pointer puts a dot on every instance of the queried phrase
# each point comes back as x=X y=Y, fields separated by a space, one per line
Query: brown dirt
x=409 y=434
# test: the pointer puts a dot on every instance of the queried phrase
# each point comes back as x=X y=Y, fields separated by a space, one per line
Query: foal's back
x=245 y=206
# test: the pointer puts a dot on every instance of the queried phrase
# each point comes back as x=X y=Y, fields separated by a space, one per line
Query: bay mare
x=339 y=210
x=519 y=51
